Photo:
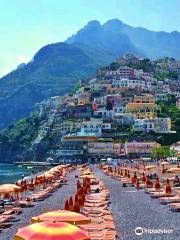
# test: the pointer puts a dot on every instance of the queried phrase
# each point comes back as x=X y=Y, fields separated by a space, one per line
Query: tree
x=161 y=152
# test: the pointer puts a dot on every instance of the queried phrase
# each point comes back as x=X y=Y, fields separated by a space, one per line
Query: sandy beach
x=130 y=209
x=55 y=201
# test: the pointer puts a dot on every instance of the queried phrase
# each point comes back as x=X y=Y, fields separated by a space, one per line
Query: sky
x=27 y=25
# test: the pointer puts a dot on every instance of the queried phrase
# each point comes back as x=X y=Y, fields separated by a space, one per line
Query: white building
x=159 y=125
x=130 y=83
x=104 y=113
x=145 y=125
x=93 y=128
x=124 y=118
x=119 y=109
x=162 y=125
x=161 y=97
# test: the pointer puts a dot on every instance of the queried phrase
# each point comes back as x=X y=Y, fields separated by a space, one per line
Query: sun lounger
x=150 y=190
x=91 y=227
x=161 y=194
x=108 y=217
x=8 y=212
x=102 y=204
x=166 y=200
x=24 y=203
x=104 y=234
x=6 y=221
x=175 y=207
x=5 y=225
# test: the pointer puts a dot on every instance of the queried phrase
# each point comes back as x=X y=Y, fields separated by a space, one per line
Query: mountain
x=56 y=68
x=113 y=43
x=118 y=37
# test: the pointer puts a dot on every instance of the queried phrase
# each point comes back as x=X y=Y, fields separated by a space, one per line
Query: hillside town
x=117 y=114
x=90 y=120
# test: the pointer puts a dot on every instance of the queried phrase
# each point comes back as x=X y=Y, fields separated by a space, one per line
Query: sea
x=10 y=173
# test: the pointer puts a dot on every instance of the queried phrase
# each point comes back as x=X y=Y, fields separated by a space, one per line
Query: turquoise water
x=10 y=173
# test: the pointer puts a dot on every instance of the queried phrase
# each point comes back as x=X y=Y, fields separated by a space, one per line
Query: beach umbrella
x=173 y=170
x=66 y=205
x=157 y=184
x=137 y=184
x=168 y=187
x=48 y=177
x=149 y=183
x=143 y=178
x=8 y=188
x=105 y=167
x=71 y=204
x=163 y=169
x=81 y=197
x=164 y=163
x=134 y=178
x=76 y=207
x=78 y=185
x=62 y=216
x=149 y=167
x=86 y=173
x=51 y=231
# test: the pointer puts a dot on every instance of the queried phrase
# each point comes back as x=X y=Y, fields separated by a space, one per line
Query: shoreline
x=53 y=202
x=24 y=172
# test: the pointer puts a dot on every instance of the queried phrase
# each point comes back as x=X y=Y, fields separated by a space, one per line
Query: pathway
x=131 y=209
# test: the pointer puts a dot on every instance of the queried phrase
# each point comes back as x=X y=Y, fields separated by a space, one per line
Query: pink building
x=140 y=148
x=114 y=99
x=122 y=72
x=126 y=72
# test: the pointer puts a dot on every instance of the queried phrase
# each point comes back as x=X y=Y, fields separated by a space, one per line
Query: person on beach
x=97 y=190
x=2 y=203
x=176 y=181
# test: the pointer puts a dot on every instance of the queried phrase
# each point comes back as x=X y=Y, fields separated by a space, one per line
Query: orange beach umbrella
x=174 y=170
x=51 y=231
x=149 y=167
x=62 y=216
x=8 y=188
x=164 y=163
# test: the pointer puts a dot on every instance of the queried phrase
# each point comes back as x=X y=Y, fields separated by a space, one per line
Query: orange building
x=143 y=106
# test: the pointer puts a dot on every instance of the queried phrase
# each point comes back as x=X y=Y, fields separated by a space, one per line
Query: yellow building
x=111 y=90
x=104 y=148
x=143 y=106
x=82 y=100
